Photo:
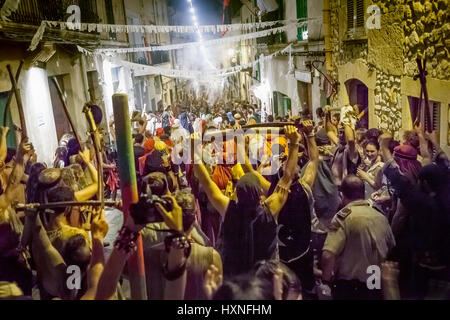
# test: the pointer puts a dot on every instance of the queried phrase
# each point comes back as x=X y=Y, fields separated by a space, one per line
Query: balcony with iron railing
x=150 y=58
x=159 y=57
x=23 y=23
x=32 y=12
x=275 y=41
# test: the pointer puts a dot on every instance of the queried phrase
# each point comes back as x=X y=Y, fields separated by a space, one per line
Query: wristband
x=178 y=241
x=126 y=240
x=175 y=274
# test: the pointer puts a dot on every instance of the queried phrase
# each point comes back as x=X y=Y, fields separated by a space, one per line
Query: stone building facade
x=376 y=67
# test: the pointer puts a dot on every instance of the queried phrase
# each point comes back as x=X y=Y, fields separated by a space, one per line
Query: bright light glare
x=231 y=52
x=194 y=18
x=192 y=10
x=196 y=24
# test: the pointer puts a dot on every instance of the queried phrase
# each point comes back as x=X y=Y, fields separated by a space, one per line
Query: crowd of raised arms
x=328 y=210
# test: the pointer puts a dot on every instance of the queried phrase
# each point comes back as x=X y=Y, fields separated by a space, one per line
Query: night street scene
x=201 y=150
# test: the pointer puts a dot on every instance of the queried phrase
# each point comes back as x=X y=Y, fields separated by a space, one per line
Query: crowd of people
x=326 y=210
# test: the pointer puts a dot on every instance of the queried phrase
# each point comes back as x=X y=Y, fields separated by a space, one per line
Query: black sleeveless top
x=294 y=222
x=247 y=237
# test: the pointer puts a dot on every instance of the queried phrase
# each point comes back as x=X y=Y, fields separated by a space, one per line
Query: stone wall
x=409 y=29
x=427 y=33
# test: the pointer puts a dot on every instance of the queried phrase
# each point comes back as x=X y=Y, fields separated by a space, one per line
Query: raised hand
x=308 y=126
x=85 y=155
x=213 y=281
x=196 y=145
x=174 y=218
x=25 y=147
x=99 y=227
x=384 y=140
x=433 y=137
x=278 y=284
x=292 y=134
x=419 y=129
x=389 y=271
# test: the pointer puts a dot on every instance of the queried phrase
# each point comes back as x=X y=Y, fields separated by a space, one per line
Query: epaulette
x=343 y=213
x=339 y=218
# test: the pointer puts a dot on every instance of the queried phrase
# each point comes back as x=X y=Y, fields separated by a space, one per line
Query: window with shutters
x=355 y=19
x=302 y=13
x=110 y=17
x=418 y=111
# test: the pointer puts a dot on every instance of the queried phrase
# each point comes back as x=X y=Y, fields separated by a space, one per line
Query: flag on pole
x=226 y=14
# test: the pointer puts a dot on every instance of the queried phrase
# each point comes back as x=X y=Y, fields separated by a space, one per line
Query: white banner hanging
x=142 y=70
x=213 y=42
x=93 y=27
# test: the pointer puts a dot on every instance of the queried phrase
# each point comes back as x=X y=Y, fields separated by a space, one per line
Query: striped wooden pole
x=128 y=188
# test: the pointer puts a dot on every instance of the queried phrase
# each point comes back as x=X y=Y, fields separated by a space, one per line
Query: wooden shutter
x=434 y=110
x=359 y=13
x=350 y=13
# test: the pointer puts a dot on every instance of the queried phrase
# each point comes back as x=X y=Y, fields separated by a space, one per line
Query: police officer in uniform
x=360 y=237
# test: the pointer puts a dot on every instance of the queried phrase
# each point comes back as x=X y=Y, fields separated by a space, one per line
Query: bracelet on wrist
x=126 y=240
x=178 y=241
x=174 y=274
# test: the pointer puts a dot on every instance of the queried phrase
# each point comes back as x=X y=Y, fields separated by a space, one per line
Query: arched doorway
x=358 y=93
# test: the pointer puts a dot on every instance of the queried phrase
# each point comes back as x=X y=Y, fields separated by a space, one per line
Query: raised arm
x=49 y=264
x=279 y=197
x=89 y=191
x=218 y=200
x=384 y=141
x=423 y=144
x=123 y=248
x=176 y=260
x=329 y=127
x=16 y=175
x=99 y=229
x=144 y=126
x=248 y=167
x=310 y=173
x=3 y=144
x=351 y=143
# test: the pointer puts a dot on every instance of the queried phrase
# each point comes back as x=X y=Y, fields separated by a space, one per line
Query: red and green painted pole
x=128 y=187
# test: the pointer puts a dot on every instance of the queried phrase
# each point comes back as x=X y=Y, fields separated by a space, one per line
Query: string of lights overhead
x=200 y=37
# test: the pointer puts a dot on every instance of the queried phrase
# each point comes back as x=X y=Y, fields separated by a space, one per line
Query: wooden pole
x=19 y=101
x=128 y=187
x=422 y=76
x=66 y=111
x=96 y=140
x=8 y=102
